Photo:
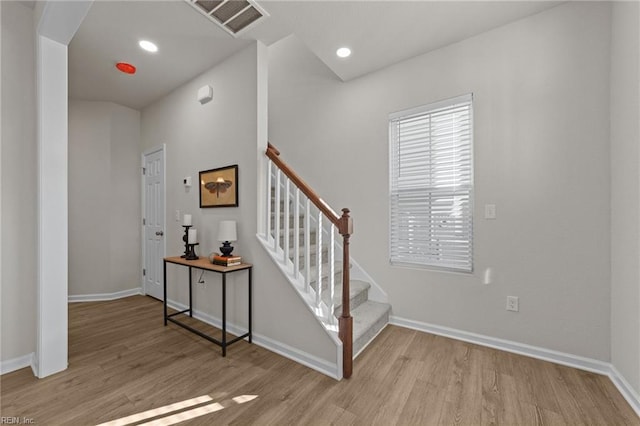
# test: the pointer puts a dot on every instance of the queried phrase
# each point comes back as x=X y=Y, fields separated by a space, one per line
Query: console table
x=203 y=263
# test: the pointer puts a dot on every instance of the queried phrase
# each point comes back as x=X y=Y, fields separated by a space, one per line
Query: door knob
x=159 y=233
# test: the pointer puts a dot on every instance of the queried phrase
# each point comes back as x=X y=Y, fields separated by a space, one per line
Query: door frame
x=143 y=259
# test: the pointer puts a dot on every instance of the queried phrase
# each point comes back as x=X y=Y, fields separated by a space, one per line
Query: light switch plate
x=489 y=211
x=513 y=303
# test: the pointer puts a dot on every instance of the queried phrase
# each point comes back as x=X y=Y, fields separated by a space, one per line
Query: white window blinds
x=431 y=185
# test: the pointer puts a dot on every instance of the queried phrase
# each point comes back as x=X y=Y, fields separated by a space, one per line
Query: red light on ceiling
x=126 y=68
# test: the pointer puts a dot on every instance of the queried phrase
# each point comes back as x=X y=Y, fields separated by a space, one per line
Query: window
x=431 y=185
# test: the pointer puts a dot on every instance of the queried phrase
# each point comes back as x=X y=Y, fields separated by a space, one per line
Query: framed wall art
x=219 y=187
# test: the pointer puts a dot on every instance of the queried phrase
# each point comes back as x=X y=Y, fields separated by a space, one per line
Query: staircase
x=301 y=238
x=369 y=317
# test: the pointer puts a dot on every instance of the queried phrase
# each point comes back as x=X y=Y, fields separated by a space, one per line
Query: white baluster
x=332 y=272
x=269 y=199
x=319 y=259
x=296 y=234
x=285 y=244
x=276 y=209
x=307 y=243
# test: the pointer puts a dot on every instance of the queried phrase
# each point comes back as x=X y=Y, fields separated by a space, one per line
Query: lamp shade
x=227 y=230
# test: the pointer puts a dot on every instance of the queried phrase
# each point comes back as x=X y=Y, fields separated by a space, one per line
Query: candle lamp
x=186 y=224
x=192 y=238
x=191 y=252
x=185 y=238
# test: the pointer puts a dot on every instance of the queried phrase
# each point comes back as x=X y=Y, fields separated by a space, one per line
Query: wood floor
x=123 y=361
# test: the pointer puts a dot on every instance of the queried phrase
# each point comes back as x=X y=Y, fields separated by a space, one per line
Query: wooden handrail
x=274 y=155
x=344 y=224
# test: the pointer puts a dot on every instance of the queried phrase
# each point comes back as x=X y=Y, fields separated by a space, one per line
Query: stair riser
x=354 y=302
x=373 y=330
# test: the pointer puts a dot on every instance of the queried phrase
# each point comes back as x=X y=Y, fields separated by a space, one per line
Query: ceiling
x=380 y=33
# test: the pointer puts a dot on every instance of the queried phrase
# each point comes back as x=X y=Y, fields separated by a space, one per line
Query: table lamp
x=226 y=234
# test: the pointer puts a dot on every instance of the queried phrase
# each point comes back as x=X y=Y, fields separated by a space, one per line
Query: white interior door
x=154 y=222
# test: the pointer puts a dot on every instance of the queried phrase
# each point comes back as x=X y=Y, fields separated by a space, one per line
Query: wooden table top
x=204 y=263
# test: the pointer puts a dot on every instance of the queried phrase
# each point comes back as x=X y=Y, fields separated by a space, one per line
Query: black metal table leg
x=164 y=286
x=224 y=314
x=250 y=304
x=190 y=296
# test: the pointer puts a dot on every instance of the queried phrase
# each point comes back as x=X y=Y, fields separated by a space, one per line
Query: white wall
x=221 y=133
x=19 y=184
x=104 y=198
x=625 y=191
x=541 y=96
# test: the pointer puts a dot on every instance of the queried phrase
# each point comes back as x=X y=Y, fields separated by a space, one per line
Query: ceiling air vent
x=232 y=15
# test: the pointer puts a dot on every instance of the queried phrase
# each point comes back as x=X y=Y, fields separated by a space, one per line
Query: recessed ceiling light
x=148 y=46
x=343 y=52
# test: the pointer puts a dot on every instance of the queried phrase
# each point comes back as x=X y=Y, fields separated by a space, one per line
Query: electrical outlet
x=512 y=303
x=177 y=216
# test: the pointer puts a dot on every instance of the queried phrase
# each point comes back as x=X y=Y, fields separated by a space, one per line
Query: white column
x=262 y=136
x=57 y=25
x=52 y=208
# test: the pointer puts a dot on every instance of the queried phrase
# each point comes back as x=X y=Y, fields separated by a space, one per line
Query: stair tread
x=367 y=314
x=355 y=287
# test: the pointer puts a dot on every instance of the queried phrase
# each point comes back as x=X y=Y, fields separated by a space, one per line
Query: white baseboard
x=320 y=365
x=23 y=361
x=325 y=367
x=101 y=297
x=632 y=397
x=575 y=361
x=562 y=358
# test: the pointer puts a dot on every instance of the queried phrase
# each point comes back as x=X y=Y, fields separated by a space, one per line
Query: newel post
x=345 y=322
